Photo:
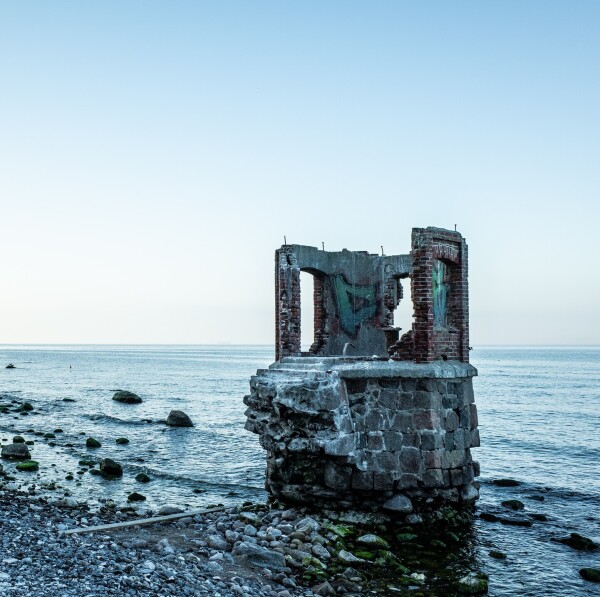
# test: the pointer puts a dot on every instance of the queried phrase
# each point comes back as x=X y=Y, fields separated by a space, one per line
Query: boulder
x=126 y=397
x=136 y=497
x=122 y=441
x=590 y=574
x=29 y=466
x=17 y=439
x=399 y=504
x=16 y=452
x=110 y=468
x=260 y=556
x=92 y=442
x=177 y=418
x=142 y=478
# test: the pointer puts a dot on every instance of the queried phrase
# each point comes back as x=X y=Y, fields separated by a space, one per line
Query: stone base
x=367 y=434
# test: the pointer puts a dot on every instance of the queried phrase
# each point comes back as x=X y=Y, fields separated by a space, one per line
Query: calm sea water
x=539 y=413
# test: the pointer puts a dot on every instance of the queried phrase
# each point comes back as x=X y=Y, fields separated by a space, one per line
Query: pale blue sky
x=153 y=155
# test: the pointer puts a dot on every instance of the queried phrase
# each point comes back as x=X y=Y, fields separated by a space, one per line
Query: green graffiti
x=355 y=304
x=440 y=293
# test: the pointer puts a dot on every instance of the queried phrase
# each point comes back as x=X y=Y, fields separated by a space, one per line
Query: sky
x=154 y=154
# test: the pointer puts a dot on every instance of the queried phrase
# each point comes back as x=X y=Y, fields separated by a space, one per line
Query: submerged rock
x=142 y=478
x=110 y=468
x=591 y=574
x=16 y=452
x=177 y=418
x=513 y=504
x=122 y=441
x=579 y=542
x=506 y=482
x=136 y=497
x=472 y=584
x=126 y=397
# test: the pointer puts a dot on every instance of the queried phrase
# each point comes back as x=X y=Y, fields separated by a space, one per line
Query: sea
x=539 y=419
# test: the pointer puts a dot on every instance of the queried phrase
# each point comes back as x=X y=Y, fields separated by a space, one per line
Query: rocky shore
x=247 y=550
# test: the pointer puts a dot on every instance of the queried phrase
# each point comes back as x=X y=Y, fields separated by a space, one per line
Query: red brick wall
x=452 y=343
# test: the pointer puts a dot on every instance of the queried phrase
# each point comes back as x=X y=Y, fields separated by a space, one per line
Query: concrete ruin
x=369 y=418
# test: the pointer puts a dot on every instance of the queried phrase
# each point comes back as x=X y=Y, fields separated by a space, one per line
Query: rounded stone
x=177 y=418
x=399 y=504
x=16 y=452
x=110 y=468
x=126 y=397
x=29 y=466
x=92 y=442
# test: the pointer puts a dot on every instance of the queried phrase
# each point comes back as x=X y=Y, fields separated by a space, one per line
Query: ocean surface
x=539 y=417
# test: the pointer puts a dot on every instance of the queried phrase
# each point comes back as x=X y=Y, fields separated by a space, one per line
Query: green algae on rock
x=29 y=466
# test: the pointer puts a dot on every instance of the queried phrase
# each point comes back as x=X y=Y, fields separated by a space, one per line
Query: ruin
x=369 y=418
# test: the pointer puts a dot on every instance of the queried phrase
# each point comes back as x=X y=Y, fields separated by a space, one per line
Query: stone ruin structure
x=368 y=418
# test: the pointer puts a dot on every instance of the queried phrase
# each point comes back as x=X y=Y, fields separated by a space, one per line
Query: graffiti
x=355 y=304
x=440 y=293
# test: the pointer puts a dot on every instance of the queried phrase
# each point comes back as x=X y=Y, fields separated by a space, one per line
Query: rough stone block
x=393 y=384
x=406 y=481
x=362 y=480
x=451 y=401
x=449 y=441
x=409 y=385
x=411 y=439
x=356 y=386
x=451 y=420
x=386 y=462
x=393 y=441
x=337 y=477
x=410 y=460
x=433 y=478
x=389 y=399
x=374 y=420
x=474 y=418
x=465 y=417
x=406 y=400
x=432 y=440
x=383 y=481
x=433 y=458
x=427 y=400
x=375 y=440
x=456 y=476
x=476 y=469
x=468 y=473
x=403 y=421
x=462 y=437
x=341 y=446
x=453 y=458
x=426 y=419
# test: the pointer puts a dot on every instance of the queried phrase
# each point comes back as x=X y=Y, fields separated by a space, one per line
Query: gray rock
x=399 y=504
x=260 y=556
x=166 y=510
x=127 y=397
x=177 y=418
x=373 y=541
x=345 y=557
x=217 y=542
x=16 y=452
x=110 y=468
